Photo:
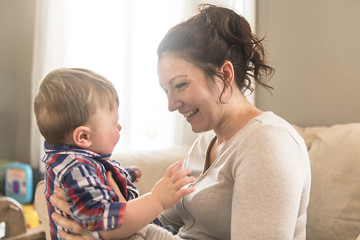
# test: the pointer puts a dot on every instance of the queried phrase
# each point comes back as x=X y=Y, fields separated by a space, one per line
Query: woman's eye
x=165 y=90
x=180 y=85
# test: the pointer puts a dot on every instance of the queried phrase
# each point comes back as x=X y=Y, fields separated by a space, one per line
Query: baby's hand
x=137 y=172
x=169 y=189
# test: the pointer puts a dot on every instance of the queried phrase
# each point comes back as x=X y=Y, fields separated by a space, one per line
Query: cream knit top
x=257 y=188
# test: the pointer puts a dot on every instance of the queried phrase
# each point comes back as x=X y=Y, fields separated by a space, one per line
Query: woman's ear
x=228 y=70
x=81 y=137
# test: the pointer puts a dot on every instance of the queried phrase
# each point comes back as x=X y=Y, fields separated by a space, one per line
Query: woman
x=252 y=167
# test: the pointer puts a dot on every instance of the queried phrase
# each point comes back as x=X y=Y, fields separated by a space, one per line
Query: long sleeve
x=170 y=217
x=269 y=186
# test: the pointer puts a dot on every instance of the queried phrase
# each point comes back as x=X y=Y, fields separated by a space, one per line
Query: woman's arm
x=170 y=217
x=268 y=187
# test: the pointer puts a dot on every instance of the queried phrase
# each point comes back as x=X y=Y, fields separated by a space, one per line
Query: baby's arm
x=141 y=211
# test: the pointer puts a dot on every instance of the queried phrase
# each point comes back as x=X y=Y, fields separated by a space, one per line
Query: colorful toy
x=19 y=182
x=31 y=217
x=3 y=166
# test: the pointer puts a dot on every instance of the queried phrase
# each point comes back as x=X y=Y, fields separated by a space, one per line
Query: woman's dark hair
x=215 y=35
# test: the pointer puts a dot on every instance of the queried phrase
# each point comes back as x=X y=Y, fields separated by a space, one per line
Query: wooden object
x=11 y=213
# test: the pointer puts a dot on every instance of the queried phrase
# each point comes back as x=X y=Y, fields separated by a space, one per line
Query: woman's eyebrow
x=173 y=78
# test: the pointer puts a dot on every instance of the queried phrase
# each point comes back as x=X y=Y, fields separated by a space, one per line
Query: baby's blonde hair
x=67 y=98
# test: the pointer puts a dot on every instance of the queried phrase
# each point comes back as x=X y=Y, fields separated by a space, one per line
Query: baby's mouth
x=190 y=113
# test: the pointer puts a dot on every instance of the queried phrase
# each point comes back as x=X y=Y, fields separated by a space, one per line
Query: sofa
x=334 y=207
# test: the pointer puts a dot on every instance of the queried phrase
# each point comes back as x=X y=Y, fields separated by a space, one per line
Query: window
x=118 y=39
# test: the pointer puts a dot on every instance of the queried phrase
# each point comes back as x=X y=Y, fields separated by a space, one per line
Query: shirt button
x=90 y=227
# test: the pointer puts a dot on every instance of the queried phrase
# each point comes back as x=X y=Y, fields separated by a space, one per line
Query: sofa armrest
x=41 y=208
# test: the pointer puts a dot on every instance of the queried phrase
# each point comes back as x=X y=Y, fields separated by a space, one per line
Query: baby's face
x=104 y=130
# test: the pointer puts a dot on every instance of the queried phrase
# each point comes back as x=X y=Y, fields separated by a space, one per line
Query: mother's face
x=189 y=92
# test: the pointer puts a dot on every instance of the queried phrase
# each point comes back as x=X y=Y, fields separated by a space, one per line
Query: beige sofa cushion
x=334 y=208
x=152 y=163
x=309 y=134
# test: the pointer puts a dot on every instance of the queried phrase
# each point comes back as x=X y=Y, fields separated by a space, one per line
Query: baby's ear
x=81 y=137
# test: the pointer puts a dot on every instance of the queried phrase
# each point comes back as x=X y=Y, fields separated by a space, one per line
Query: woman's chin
x=197 y=129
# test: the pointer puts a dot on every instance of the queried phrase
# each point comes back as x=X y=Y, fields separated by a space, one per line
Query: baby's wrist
x=156 y=201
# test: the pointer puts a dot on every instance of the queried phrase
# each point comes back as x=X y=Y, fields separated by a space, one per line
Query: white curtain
x=118 y=39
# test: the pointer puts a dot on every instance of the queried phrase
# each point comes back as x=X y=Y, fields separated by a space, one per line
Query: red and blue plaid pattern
x=81 y=174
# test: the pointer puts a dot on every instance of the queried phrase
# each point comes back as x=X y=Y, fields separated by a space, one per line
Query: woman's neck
x=237 y=115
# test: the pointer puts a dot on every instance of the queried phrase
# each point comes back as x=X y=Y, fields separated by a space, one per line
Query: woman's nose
x=173 y=103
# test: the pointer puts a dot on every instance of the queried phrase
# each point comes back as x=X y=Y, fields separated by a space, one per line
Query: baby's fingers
x=183 y=181
x=180 y=174
x=172 y=169
x=184 y=191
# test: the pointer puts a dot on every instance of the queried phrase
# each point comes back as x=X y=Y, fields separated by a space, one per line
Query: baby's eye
x=165 y=90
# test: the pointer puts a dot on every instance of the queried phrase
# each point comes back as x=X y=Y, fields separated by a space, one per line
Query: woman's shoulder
x=272 y=123
x=269 y=127
x=271 y=137
x=271 y=119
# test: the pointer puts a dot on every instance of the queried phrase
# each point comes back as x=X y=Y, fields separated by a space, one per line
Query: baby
x=77 y=114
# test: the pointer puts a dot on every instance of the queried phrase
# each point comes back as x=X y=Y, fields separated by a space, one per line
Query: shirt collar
x=65 y=148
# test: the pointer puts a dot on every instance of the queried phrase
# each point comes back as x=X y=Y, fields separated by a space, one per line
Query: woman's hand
x=72 y=226
x=114 y=186
x=58 y=200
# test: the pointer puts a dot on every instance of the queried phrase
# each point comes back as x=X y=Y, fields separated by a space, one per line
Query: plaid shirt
x=81 y=174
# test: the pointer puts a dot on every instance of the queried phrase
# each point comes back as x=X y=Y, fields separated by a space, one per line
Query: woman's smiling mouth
x=190 y=113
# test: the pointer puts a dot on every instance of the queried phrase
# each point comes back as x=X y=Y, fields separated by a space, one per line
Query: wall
x=16 y=44
x=315 y=48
